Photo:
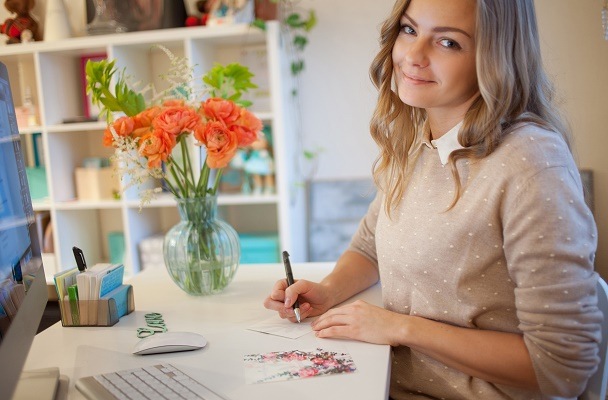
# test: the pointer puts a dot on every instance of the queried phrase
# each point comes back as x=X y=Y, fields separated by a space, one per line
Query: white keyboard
x=157 y=382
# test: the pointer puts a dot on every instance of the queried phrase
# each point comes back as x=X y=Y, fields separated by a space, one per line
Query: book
x=63 y=280
x=88 y=289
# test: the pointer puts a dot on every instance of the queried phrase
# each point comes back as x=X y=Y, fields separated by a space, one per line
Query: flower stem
x=172 y=167
x=187 y=166
x=218 y=176
x=171 y=188
x=201 y=187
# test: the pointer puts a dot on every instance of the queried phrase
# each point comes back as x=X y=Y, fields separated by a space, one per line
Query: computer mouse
x=169 y=342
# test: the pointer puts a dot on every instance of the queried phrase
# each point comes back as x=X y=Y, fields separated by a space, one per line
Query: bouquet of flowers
x=145 y=135
x=201 y=252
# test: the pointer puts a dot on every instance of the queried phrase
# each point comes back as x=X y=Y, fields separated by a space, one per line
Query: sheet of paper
x=282 y=327
x=295 y=364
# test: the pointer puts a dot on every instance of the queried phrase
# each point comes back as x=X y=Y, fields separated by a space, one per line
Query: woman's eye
x=450 y=44
x=408 y=30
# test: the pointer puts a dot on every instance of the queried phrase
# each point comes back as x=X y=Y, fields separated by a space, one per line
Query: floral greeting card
x=295 y=364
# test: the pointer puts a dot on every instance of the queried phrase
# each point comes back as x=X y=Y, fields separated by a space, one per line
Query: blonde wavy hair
x=513 y=86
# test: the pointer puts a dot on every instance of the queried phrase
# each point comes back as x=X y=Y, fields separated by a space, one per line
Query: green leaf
x=300 y=42
x=259 y=23
x=297 y=67
x=230 y=81
x=309 y=155
x=311 y=22
x=294 y=20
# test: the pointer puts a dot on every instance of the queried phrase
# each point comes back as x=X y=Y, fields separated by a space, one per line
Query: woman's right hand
x=314 y=299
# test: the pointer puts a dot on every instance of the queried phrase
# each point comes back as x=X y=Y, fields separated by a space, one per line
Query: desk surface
x=222 y=319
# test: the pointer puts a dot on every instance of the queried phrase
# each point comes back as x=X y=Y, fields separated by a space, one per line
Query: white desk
x=222 y=319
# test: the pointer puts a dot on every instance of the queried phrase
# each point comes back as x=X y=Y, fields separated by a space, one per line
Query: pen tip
x=297 y=312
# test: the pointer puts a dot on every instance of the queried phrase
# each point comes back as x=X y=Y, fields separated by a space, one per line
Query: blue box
x=259 y=248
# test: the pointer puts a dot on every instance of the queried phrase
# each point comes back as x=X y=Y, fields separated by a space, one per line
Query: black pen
x=287 y=264
x=80 y=261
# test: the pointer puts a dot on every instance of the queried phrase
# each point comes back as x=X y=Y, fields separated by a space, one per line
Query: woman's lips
x=415 y=80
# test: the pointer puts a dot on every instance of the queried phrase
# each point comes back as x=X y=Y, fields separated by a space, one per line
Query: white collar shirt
x=446 y=144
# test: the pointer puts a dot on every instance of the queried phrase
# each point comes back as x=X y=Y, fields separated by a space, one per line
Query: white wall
x=337 y=95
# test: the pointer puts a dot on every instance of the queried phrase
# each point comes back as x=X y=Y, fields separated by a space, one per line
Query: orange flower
x=247 y=128
x=175 y=120
x=221 y=110
x=123 y=126
x=143 y=121
x=250 y=121
x=245 y=137
x=221 y=143
x=108 y=139
x=156 y=147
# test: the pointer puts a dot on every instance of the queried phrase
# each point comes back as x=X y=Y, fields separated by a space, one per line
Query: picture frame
x=89 y=110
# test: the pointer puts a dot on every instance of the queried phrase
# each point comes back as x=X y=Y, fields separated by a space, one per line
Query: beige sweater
x=515 y=254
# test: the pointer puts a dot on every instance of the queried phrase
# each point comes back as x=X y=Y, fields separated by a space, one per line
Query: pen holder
x=103 y=312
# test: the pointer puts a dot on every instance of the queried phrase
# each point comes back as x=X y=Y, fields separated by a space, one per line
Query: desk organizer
x=103 y=312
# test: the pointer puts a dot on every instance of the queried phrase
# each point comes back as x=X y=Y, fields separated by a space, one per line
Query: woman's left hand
x=360 y=321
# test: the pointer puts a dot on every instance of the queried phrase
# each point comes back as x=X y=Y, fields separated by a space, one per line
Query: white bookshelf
x=53 y=72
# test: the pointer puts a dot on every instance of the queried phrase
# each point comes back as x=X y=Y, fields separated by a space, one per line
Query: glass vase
x=201 y=252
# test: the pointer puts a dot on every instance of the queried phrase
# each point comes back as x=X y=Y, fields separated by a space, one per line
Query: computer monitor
x=23 y=291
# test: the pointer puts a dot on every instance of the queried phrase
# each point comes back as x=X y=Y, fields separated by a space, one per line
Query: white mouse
x=169 y=342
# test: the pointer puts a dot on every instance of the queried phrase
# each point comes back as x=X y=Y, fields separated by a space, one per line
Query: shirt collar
x=446 y=144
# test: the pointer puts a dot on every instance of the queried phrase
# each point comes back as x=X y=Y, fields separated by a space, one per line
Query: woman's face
x=434 y=57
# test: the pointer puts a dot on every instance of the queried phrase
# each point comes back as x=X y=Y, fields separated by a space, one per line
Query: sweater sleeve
x=364 y=239
x=550 y=240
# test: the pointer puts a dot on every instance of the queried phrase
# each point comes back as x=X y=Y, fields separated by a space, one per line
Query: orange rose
x=244 y=135
x=175 y=120
x=247 y=128
x=123 y=126
x=221 y=110
x=156 y=147
x=143 y=121
x=250 y=121
x=221 y=143
x=145 y=118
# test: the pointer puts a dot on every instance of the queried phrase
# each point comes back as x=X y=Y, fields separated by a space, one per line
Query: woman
x=479 y=235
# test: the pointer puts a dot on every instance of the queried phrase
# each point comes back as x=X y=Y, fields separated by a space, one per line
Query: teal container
x=259 y=248
x=36 y=179
x=116 y=244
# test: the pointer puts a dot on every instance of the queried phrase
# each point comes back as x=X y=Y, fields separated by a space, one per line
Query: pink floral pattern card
x=295 y=364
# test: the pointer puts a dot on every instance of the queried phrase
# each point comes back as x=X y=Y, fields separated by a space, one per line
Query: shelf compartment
x=67 y=151
x=88 y=230
x=62 y=84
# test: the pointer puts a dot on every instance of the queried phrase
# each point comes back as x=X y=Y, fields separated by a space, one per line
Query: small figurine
x=204 y=7
x=15 y=27
x=260 y=166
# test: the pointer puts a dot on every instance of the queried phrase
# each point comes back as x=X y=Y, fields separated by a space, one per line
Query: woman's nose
x=417 y=54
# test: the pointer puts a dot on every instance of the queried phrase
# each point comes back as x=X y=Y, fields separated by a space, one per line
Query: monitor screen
x=23 y=292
